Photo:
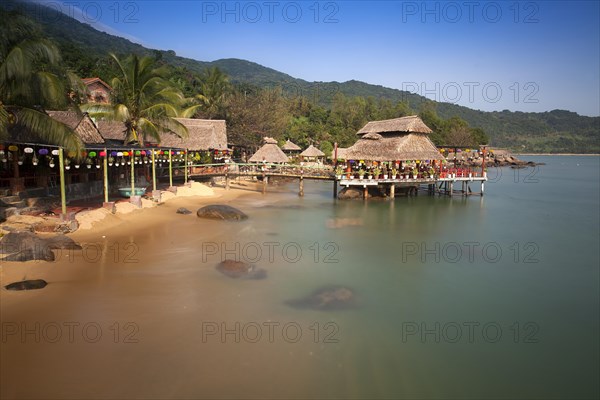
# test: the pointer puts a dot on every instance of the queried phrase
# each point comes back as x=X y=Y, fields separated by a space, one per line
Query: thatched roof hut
x=410 y=124
x=270 y=153
x=290 y=147
x=203 y=134
x=312 y=152
x=396 y=139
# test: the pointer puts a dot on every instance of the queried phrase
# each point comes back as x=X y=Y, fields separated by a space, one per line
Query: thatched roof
x=270 y=153
x=341 y=153
x=203 y=134
x=269 y=140
x=392 y=147
x=411 y=124
x=112 y=130
x=290 y=146
x=90 y=81
x=82 y=124
x=312 y=151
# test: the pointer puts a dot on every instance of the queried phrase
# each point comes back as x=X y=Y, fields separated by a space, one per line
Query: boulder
x=327 y=298
x=183 y=210
x=241 y=270
x=221 y=212
x=26 y=246
x=27 y=285
x=350 y=192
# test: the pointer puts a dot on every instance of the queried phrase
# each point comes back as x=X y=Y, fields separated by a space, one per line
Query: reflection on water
x=458 y=297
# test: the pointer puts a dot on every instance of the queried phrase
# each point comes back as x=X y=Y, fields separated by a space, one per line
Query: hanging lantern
x=55 y=152
x=71 y=154
x=120 y=154
x=12 y=147
x=113 y=153
x=137 y=152
x=28 y=150
x=125 y=154
x=92 y=154
x=102 y=154
x=43 y=152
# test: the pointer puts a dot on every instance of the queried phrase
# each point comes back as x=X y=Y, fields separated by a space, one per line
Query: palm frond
x=49 y=129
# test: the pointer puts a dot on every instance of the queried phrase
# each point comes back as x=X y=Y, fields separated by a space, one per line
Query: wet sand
x=139 y=313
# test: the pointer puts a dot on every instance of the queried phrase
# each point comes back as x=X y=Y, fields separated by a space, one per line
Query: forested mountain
x=85 y=51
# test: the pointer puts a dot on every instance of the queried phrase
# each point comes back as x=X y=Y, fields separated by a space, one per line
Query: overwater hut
x=395 y=143
x=269 y=153
x=312 y=154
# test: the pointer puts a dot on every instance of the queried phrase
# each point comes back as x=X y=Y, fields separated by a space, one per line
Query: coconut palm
x=143 y=100
x=214 y=87
x=27 y=84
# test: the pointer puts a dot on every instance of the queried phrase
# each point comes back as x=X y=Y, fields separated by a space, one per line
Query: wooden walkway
x=442 y=183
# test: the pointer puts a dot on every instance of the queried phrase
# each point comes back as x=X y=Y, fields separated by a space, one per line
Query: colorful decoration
x=43 y=152
x=92 y=154
x=28 y=150
x=55 y=152
x=102 y=154
x=12 y=147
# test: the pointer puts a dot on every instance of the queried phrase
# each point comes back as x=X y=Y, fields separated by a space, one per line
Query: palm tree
x=214 y=87
x=27 y=86
x=143 y=100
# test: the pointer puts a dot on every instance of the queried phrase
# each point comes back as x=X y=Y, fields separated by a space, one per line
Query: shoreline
x=123 y=234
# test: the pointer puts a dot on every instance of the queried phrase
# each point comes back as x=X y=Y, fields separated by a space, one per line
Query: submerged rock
x=221 y=212
x=26 y=246
x=183 y=210
x=327 y=298
x=241 y=270
x=27 y=285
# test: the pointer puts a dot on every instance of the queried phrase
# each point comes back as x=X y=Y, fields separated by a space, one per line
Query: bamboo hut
x=398 y=139
x=312 y=154
x=269 y=153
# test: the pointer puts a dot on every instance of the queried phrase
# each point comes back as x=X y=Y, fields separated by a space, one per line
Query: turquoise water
x=480 y=297
x=483 y=297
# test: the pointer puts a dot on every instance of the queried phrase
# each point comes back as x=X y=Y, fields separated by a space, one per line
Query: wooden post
x=132 y=175
x=153 y=171
x=226 y=176
x=185 y=169
x=335 y=188
x=264 y=178
x=105 y=171
x=451 y=188
x=61 y=169
x=392 y=191
x=482 y=183
x=170 y=169
x=301 y=190
x=365 y=192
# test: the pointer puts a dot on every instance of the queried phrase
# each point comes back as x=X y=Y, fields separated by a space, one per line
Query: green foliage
x=310 y=112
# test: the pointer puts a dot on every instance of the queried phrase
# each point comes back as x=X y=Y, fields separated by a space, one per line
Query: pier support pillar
x=335 y=189
x=365 y=192
x=265 y=182
x=482 y=184
x=301 y=187
x=451 y=188
x=392 y=191
x=226 y=182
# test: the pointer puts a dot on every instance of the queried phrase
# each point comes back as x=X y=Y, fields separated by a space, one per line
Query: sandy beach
x=112 y=320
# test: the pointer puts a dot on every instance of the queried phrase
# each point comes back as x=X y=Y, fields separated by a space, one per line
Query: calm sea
x=480 y=297
x=484 y=297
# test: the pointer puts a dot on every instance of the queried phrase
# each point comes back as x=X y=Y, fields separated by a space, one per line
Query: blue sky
x=521 y=56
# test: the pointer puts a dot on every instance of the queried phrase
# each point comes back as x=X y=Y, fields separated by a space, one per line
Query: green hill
x=553 y=131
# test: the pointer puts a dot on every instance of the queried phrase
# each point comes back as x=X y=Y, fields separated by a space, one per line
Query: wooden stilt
x=301 y=188
x=365 y=192
x=482 y=184
x=392 y=191
x=335 y=189
x=451 y=188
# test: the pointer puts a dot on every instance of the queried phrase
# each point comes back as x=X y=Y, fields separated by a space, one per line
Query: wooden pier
x=441 y=184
